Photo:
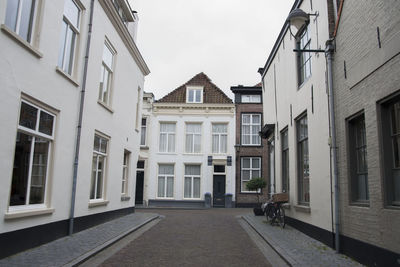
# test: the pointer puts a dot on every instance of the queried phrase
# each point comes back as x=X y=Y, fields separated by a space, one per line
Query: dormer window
x=251 y=98
x=194 y=95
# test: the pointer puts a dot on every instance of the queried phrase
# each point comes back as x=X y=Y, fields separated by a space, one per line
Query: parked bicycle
x=274 y=210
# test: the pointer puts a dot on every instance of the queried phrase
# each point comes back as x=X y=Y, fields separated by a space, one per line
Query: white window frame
x=105 y=69
x=99 y=154
x=192 y=177
x=251 y=98
x=220 y=135
x=16 y=28
x=62 y=64
x=35 y=133
x=304 y=58
x=139 y=97
x=250 y=169
x=143 y=132
x=167 y=138
x=250 y=124
x=165 y=176
x=192 y=135
x=196 y=90
x=125 y=172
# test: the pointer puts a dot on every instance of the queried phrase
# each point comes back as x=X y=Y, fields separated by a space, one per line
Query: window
x=167 y=137
x=391 y=151
x=251 y=98
x=120 y=11
x=285 y=160
x=98 y=167
x=358 y=160
x=304 y=58
x=165 y=180
x=192 y=181
x=251 y=125
x=34 y=140
x=219 y=138
x=106 y=74
x=303 y=163
x=143 y=132
x=193 y=138
x=69 y=32
x=251 y=168
x=194 y=95
x=20 y=15
x=138 y=109
x=125 y=172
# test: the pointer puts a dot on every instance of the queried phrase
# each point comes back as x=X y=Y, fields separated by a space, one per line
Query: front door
x=219 y=191
x=139 y=187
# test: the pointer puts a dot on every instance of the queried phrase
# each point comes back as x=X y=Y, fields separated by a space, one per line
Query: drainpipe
x=329 y=53
x=78 y=134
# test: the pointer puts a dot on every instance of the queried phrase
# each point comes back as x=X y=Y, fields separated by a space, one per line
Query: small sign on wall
x=209 y=161
x=229 y=160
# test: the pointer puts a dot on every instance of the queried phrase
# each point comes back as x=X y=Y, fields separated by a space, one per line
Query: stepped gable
x=211 y=93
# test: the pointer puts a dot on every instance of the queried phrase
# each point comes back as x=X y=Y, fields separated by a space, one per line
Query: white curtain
x=170 y=186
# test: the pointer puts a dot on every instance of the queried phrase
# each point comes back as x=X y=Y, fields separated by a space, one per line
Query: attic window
x=194 y=95
x=251 y=98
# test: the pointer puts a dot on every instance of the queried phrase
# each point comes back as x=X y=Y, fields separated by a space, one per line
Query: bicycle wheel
x=280 y=216
x=269 y=213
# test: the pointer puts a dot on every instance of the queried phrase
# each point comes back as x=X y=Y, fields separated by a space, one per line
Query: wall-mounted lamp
x=298 y=18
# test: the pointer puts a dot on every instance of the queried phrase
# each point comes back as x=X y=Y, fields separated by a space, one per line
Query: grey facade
x=367 y=88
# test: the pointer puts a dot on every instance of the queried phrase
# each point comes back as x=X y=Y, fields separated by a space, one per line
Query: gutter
x=79 y=130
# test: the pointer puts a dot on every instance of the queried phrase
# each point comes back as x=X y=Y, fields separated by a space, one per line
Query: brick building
x=367 y=107
x=251 y=150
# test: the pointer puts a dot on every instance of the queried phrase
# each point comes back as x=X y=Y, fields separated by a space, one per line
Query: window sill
x=249 y=192
x=125 y=198
x=96 y=203
x=193 y=154
x=21 y=41
x=27 y=213
x=302 y=208
x=167 y=153
x=67 y=76
x=359 y=204
x=104 y=105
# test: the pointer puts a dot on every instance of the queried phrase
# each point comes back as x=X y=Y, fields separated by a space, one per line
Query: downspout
x=78 y=134
x=329 y=53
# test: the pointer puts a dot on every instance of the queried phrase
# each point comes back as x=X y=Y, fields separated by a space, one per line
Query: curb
x=108 y=243
x=280 y=252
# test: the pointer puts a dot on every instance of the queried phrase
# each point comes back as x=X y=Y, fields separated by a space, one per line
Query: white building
x=42 y=67
x=296 y=122
x=190 y=140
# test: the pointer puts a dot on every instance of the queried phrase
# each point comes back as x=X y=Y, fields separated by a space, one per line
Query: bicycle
x=274 y=210
x=275 y=213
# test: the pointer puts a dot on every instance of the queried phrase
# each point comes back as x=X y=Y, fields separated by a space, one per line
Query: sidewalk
x=296 y=248
x=71 y=250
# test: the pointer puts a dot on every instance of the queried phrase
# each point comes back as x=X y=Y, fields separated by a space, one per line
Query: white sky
x=226 y=39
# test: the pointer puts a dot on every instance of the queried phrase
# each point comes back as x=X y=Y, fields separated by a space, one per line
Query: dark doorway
x=139 y=187
x=219 y=191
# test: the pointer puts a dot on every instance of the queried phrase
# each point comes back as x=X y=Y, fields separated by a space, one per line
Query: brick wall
x=372 y=74
x=243 y=199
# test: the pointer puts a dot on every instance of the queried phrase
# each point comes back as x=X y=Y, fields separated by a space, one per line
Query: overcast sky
x=226 y=39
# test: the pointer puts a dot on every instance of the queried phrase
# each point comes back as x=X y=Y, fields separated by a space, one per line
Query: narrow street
x=192 y=238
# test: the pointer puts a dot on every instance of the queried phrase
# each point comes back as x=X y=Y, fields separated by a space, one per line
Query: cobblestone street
x=192 y=238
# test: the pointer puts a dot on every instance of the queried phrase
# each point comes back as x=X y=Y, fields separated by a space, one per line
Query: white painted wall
x=282 y=91
x=223 y=114
x=21 y=72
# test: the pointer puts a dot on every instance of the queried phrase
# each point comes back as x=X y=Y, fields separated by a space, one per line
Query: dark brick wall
x=244 y=199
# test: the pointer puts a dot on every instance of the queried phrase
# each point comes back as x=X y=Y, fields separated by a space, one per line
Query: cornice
x=125 y=35
x=193 y=109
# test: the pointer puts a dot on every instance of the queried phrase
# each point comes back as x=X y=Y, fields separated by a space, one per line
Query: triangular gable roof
x=211 y=93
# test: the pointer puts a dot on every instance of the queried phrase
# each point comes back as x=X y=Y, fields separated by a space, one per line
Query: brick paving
x=192 y=238
x=70 y=249
x=295 y=247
